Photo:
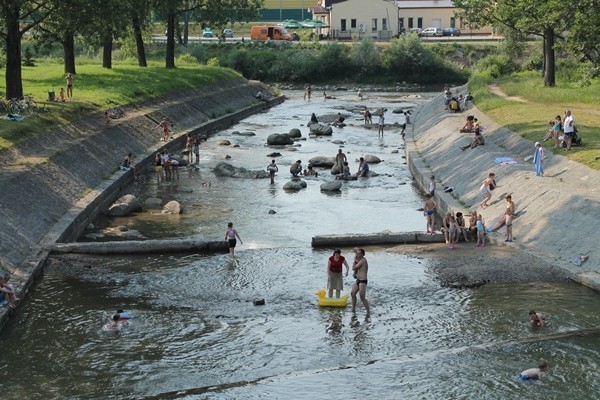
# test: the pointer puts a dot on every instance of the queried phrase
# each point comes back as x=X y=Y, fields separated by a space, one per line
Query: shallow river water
x=197 y=335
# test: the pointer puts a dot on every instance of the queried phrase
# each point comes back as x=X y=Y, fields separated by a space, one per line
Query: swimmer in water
x=534 y=373
x=536 y=319
x=114 y=324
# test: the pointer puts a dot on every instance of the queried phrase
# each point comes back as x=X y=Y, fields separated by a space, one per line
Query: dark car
x=451 y=32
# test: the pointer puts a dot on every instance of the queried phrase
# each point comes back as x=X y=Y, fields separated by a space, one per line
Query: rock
x=153 y=202
x=243 y=133
x=322 y=161
x=395 y=151
x=181 y=161
x=259 y=302
x=279 y=139
x=296 y=184
x=320 y=129
x=172 y=207
x=335 y=170
x=371 y=174
x=122 y=228
x=124 y=206
x=295 y=133
x=227 y=157
x=371 y=159
x=332 y=186
x=235 y=132
x=290 y=149
x=90 y=227
x=337 y=141
x=228 y=170
x=235 y=145
x=223 y=142
x=275 y=154
x=272 y=212
x=398 y=111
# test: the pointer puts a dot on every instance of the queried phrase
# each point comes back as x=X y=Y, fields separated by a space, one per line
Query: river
x=196 y=334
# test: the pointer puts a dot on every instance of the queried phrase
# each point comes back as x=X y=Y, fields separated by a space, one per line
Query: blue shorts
x=525 y=377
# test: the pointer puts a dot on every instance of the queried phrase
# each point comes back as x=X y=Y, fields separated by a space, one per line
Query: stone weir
x=53 y=186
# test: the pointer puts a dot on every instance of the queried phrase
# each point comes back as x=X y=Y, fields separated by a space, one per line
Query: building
x=384 y=19
x=279 y=10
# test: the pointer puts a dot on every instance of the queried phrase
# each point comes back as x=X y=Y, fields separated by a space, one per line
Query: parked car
x=431 y=32
x=207 y=32
x=228 y=33
x=415 y=30
x=451 y=32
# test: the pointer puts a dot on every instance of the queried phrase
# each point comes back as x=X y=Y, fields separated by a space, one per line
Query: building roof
x=424 y=4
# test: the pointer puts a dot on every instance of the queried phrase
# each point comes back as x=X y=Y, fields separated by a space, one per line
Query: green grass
x=530 y=119
x=96 y=89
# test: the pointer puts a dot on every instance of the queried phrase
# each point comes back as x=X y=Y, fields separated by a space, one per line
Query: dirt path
x=498 y=92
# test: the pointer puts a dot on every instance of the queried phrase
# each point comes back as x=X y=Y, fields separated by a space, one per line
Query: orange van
x=264 y=32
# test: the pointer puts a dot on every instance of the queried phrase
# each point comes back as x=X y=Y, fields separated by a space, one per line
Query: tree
x=18 y=17
x=207 y=12
x=584 y=33
x=546 y=19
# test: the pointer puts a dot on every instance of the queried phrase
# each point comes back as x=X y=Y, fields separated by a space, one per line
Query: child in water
x=534 y=373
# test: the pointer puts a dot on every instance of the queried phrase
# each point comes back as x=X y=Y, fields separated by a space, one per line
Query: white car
x=431 y=32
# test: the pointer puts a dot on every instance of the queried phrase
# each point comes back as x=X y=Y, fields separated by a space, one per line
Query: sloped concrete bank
x=54 y=186
x=555 y=212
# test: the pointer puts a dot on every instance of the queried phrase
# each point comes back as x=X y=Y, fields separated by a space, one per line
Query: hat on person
x=537 y=144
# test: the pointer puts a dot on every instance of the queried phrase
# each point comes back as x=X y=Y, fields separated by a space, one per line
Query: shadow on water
x=196 y=333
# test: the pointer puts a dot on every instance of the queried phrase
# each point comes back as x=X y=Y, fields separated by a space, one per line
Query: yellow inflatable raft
x=328 y=302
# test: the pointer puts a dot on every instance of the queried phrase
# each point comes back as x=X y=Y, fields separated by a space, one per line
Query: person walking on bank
x=335 y=280
x=230 y=235
x=360 y=269
x=538 y=159
x=272 y=168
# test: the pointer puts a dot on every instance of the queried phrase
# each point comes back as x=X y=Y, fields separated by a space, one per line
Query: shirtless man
x=69 y=86
x=165 y=125
x=360 y=267
x=340 y=159
x=429 y=211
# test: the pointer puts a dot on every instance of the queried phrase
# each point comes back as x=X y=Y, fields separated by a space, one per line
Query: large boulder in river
x=322 y=161
x=295 y=184
x=320 y=129
x=331 y=186
x=279 y=139
x=371 y=159
x=228 y=170
x=182 y=162
x=172 y=207
x=336 y=169
x=153 y=202
x=295 y=133
x=223 y=142
x=124 y=206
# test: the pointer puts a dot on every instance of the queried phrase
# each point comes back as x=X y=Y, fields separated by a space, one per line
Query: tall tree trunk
x=14 y=84
x=550 y=61
x=544 y=57
x=170 y=57
x=186 y=27
x=139 y=39
x=107 y=51
x=68 y=43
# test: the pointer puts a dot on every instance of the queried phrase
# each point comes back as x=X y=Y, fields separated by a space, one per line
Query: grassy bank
x=530 y=118
x=97 y=89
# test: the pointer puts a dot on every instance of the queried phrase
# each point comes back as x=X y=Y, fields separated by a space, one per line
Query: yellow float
x=329 y=302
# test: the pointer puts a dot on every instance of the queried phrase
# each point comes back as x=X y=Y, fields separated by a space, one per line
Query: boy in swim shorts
x=534 y=373
x=429 y=211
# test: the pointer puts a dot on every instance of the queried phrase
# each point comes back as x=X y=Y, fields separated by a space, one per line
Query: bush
x=365 y=57
x=187 y=58
x=495 y=66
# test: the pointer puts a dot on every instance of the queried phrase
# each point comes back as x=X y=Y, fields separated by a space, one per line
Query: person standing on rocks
x=335 y=280
x=360 y=269
x=296 y=168
x=231 y=235
x=538 y=159
x=272 y=168
x=340 y=159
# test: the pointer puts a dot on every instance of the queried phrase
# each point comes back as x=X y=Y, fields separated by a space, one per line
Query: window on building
x=352 y=24
x=384 y=24
x=420 y=23
x=400 y=24
x=374 y=25
x=452 y=22
x=411 y=23
x=343 y=25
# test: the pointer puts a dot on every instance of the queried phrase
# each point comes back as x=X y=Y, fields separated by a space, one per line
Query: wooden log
x=352 y=240
x=142 y=246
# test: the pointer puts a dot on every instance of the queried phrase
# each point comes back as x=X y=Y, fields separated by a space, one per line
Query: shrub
x=365 y=57
x=187 y=58
x=495 y=66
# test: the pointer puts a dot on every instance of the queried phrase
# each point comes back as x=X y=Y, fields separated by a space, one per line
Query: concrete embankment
x=556 y=213
x=141 y=246
x=54 y=185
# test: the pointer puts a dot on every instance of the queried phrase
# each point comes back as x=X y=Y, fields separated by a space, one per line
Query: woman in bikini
x=509 y=215
x=485 y=189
